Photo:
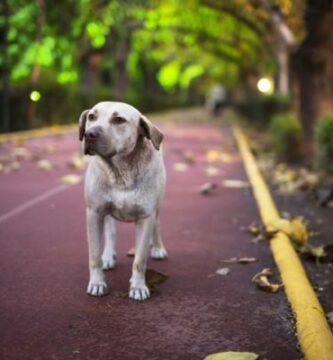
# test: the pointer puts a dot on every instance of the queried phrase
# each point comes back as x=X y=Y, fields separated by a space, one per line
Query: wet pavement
x=44 y=310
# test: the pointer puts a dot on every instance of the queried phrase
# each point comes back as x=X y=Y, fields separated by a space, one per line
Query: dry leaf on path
x=241 y=260
x=223 y=271
x=51 y=148
x=155 y=278
x=295 y=228
x=206 y=188
x=329 y=316
x=261 y=279
x=212 y=171
x=44 y=164
x=71 y=179
x=220 y=272
x=131 y=252
x=318 y=253
x=247 y=260
x=213 y=156
x=189 y=157
x=235 y=184
x=181 y=167
x=77 y=162
x=232 y=355
x=21 y=153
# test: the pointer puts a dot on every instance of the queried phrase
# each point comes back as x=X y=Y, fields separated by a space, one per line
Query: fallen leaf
x=222 y=271
x=212 y=156
x=262 y=281
x=295 y=229
x=181 y=167
x=71 y=179
x=247 y=260
x=189 y=157
x=329 y=316
x=235 y=184
x=131 y=252
x=44 y=164
x=318 y=253
x=155 y=278
x=77 y=162
x=51 y=148
x=232 y=355
x=21 y=153
x=232 y=260
x=206 y=188
x=226 y=158
x=241 y=260
x=254 y=229
x=211 y=171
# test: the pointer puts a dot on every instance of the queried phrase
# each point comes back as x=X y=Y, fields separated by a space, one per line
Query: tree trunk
x=4 y=114
x=283 y=69
x=313 y=61
x=123 y=51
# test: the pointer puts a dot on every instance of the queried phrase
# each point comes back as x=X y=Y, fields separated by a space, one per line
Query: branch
x=234 y=13
x=286 y=34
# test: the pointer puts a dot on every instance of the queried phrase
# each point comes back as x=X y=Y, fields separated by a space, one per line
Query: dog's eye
x=118 y=120
x=91 y=117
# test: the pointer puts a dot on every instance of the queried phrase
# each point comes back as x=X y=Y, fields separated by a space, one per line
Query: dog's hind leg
x=157 y=250
x=109 y=256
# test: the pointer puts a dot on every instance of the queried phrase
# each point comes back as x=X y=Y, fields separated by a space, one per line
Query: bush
x=324 y=143
x=286 y=132
x=260 y=109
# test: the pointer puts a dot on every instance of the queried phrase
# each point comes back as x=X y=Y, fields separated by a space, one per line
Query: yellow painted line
x=313 y=332
x=35 y=133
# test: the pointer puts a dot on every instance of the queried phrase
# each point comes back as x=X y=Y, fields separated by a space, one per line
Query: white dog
x=125 y=180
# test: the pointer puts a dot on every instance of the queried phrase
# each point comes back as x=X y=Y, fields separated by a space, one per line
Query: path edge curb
x=313 y=332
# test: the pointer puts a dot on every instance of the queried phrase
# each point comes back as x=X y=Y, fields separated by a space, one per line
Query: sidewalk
x=46 y=313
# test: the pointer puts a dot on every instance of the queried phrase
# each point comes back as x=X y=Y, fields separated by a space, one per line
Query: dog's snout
x=92 y=134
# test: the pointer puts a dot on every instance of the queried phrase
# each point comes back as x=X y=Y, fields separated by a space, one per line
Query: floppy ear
x=151 y=132
x=82 y=124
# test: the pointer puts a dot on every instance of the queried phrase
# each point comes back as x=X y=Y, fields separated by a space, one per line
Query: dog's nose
x=91 y=134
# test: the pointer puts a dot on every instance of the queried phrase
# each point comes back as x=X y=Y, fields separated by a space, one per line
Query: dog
x=125 y=180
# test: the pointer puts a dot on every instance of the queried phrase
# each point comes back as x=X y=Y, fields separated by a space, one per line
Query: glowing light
x=35 y=95
x=265 y=86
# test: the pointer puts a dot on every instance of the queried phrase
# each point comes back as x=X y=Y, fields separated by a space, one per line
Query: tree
x=313 y=66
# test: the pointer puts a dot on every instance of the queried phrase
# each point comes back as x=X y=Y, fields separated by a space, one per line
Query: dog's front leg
x=109 y=256
x=97 y=285
x=138 y=287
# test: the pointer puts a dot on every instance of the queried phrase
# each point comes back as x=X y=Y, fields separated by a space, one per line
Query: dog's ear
x=151 y=132
x=82 y=124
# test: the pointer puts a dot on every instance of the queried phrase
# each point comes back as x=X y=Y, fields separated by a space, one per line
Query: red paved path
x=45 y=313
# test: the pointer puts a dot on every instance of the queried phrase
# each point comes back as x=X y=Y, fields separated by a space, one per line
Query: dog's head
x=111 y=128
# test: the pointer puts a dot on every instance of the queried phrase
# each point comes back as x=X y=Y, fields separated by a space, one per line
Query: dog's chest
x=127 y=206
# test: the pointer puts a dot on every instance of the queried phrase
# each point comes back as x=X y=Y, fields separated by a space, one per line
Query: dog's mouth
x=89 y=148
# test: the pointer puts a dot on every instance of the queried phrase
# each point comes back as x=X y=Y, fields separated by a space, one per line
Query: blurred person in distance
x=216 y=99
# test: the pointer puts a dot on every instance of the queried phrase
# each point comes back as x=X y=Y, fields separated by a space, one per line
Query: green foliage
x=324 y=142
x=173 y=49
x=260 y=109
x=286 y=131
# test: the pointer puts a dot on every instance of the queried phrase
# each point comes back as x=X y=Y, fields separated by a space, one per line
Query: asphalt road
x=45 y=312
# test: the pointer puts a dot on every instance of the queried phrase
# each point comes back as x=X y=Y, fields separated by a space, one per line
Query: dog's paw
x=97 y=288
x=139 y=293
x=158 y=253
x=109 y=262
